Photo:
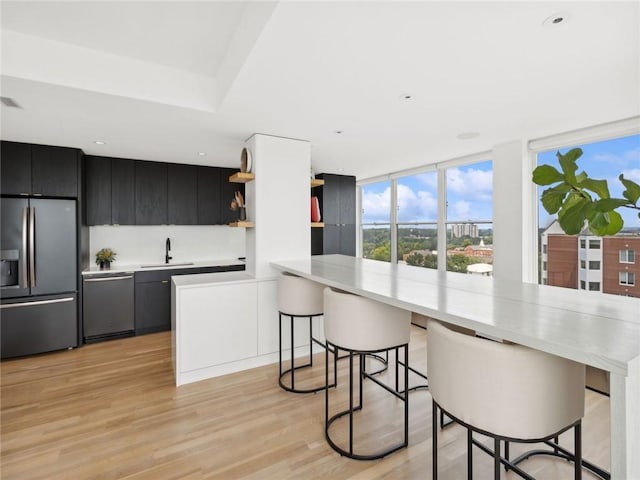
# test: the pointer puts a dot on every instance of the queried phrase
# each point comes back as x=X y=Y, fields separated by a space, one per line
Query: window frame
x=441 y=222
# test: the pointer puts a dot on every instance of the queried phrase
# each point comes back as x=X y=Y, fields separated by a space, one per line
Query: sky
x=469 y=196
x=604 y=160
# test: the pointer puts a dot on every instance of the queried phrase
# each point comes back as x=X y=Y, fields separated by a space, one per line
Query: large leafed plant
x=580 y=200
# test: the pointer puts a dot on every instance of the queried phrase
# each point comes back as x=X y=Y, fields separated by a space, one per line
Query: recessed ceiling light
x=338 y=132
x=99 y=142
x=406 y=96
x=202 y=154
x=556 y=20
x=467 y=135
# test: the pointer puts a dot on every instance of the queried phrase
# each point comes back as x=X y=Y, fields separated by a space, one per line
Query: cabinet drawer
x=163 y=275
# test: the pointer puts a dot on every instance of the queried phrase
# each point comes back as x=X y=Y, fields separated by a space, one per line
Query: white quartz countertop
x=205 y=279
x=145 y=267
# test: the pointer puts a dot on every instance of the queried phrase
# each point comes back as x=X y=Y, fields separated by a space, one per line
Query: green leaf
x=599 y=187
x=632 y=193
x=572 y=214
x=610 y=204
x=552 y=199
x=546 y=175
x=569 y=166
x=581 y=177
x=610 y=224
x=574 y=154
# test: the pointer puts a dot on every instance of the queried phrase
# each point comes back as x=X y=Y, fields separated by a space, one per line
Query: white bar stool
x=505 y=391
x=362 y=327
x=299 y=298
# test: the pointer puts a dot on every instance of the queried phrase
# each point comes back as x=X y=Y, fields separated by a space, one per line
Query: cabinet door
x=153 y=307
x=208 y=195
x=330 y=199
x=15 y=168
x=54 y=171
x=182 y=194
x=98 y=193
x=151 y=193
x=331 y=240
x=347 y=199
x=348 y=239
x=123 y=187
x=227 y=192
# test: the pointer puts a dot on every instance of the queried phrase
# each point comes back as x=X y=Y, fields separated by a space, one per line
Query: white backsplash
x=135 y=245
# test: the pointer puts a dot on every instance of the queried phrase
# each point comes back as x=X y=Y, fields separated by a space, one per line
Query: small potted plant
x=104 y=257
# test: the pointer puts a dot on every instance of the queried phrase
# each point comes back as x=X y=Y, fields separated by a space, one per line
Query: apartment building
x=587 y=262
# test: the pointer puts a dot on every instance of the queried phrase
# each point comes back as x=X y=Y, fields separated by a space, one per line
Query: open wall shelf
x=242 y=177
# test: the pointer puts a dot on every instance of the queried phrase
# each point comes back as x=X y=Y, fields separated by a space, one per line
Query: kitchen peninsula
x=602 y=331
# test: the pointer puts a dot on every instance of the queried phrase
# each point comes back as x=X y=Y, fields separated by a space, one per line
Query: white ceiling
x=165 y=80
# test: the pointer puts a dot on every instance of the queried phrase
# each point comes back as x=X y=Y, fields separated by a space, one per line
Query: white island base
x=226 y=322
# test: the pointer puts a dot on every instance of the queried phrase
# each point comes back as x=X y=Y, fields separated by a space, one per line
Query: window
x=417 y=226
x=627 y=256
x=544 y=266
x=400 y=218
x=627 y=278
x=601 y=160
x=544 y=248
x=469 y=193
x=376 y=221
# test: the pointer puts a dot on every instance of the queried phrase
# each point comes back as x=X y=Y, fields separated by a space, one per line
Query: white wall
x=145 y=244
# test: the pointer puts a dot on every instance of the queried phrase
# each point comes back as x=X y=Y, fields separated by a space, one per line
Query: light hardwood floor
x=110 y=410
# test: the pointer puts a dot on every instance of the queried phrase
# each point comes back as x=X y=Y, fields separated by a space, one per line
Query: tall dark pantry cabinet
x=337 y=198
x=39 y=252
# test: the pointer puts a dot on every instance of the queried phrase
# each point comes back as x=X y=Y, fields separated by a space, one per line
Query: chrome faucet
x=167 y=249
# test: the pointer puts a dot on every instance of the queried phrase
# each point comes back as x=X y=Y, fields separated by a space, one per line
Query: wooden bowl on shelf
x=246 y=162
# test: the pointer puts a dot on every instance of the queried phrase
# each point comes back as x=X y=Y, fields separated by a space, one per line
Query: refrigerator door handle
x=32 y=246
x=25 y=251
x=39 y=302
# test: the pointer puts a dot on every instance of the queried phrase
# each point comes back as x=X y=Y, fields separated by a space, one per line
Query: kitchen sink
x=157 y=265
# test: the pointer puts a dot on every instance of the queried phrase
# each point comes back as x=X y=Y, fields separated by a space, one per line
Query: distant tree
x=416 y=259
x=430 y=261
x=382 y=252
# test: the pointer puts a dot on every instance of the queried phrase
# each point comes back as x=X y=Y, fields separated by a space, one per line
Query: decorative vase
x=105 y=265
x=242 y=213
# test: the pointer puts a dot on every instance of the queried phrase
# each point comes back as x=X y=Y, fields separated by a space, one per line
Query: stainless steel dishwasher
x=108 y=306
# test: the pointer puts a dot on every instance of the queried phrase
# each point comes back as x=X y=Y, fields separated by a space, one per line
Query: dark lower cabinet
x=153 y=307
x=153 y=296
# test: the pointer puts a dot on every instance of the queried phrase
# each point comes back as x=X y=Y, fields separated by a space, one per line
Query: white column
x=508 y=225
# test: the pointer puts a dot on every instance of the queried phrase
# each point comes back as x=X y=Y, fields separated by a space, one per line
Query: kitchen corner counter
x=206 y=279
x=146 y=267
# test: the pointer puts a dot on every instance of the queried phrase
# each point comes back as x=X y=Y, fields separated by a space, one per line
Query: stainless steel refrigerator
x=39 y=285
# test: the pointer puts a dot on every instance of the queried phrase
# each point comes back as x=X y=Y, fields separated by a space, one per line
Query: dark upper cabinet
x=151 y=193
x=15 y=165
x=208 y=196
x=123 y=191
x=39 y=170
x=110 y=193
x=227 y=193
x=98 y=194
x=54 y=171
x=338 y=208
x=182 y=194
